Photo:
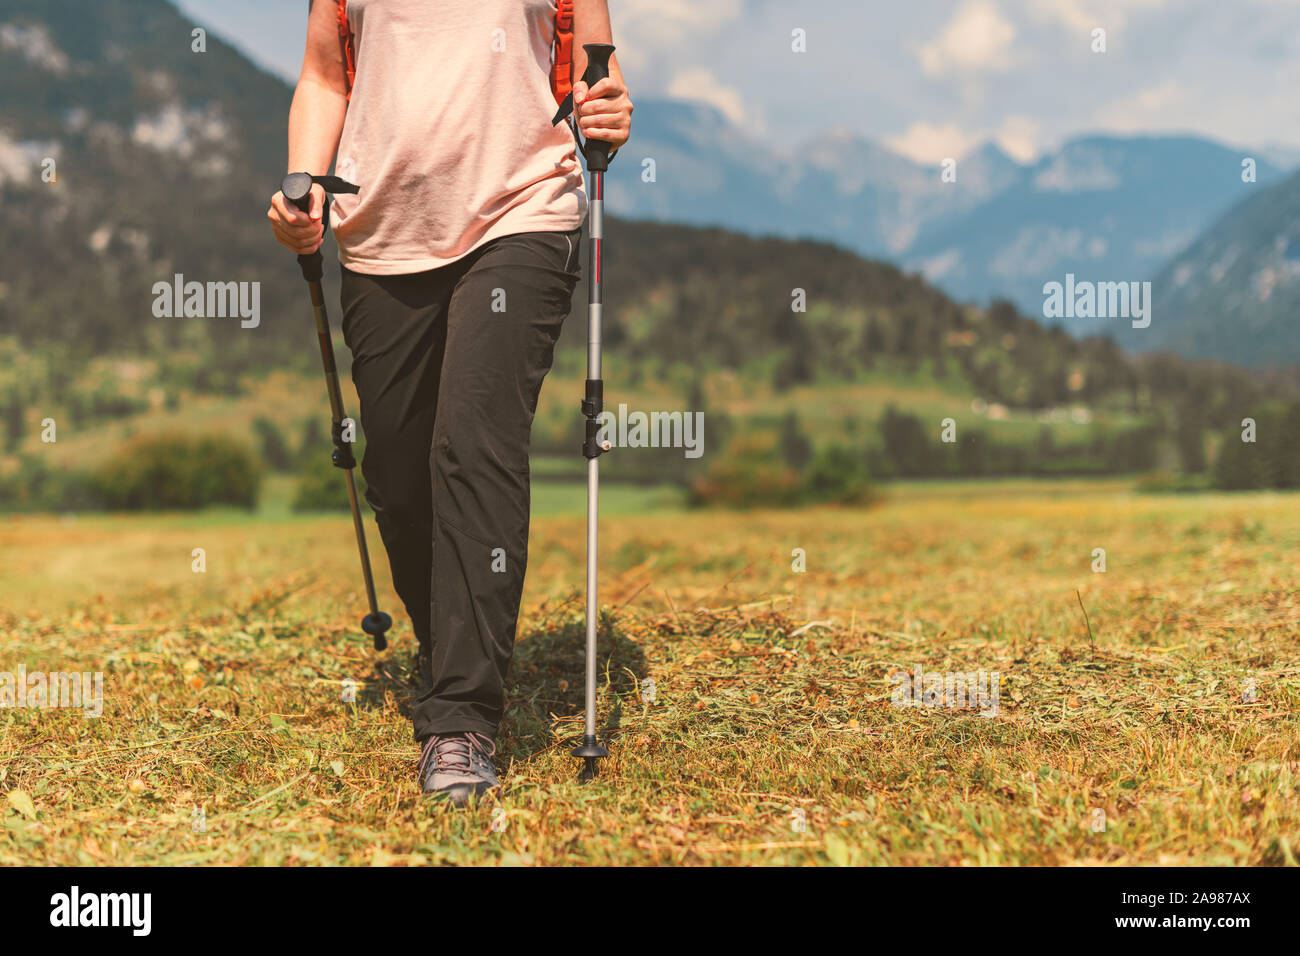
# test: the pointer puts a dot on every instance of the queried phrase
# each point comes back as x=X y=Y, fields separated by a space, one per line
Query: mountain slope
x=165 y=160
x=1234 y=294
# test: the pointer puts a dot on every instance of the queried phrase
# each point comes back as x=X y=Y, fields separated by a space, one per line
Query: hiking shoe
x=457 y=766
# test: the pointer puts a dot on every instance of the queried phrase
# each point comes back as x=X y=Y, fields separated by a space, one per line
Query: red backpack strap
x=562 y=67
x=349 y=44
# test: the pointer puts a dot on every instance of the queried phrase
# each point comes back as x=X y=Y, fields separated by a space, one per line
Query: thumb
x=317 y=202
x=579 y=93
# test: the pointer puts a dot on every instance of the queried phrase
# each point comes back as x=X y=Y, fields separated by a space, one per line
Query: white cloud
x=970 y=62
x=699 y=84
x=1159 y=97
x=652 y=23
x=1074 y=15
x=1148 y=108
x=978 y=38
x=1082 y=16
x=1019 y=137
x=931 y=144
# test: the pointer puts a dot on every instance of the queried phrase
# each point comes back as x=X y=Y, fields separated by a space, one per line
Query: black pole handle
x=297 y=190
x=598 y=55
x=297 y=187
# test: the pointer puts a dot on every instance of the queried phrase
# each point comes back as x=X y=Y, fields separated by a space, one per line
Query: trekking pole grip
x=598 y=55
x=297 y=190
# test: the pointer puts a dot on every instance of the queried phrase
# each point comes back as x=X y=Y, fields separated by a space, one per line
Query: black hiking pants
x=448 y=365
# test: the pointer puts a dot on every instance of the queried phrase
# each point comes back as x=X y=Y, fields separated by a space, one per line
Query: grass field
x=1161 y=730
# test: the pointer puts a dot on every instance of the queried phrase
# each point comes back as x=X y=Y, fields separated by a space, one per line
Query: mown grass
x=770 y=738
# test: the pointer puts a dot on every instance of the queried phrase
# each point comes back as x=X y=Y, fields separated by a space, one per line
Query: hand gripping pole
x=297 y=190
x=596 y=153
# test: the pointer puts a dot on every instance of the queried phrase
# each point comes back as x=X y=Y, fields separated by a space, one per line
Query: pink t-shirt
x=449 y=133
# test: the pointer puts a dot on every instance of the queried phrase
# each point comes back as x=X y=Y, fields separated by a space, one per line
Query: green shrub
x=1272 y=460
x=30 y=484
x=322 y=487
x=1168 y=483
x=753 y=472
x=176 y=471
x=313 y=442
x=274 y=448
x=838 y=475
x=748 y=473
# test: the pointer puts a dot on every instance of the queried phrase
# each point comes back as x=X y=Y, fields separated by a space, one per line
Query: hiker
x=459 y=259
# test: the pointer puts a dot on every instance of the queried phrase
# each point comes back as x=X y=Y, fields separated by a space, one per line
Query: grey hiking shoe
x=457 y=766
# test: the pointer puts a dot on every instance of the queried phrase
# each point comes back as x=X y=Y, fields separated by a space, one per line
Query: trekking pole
x=297 y=190
x=596 y=152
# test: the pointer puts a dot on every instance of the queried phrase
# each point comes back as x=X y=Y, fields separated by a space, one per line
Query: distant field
x=289 y=400
x=1161 y=730
x=549 y=498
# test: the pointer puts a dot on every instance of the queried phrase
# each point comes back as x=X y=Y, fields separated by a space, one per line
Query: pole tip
x=590 y=752
x=375 y=624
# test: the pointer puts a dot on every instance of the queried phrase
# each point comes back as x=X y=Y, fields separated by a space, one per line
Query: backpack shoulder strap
x=349 y=44
x=562 y=66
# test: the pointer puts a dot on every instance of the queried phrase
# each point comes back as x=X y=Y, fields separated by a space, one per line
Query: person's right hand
x=298 y=231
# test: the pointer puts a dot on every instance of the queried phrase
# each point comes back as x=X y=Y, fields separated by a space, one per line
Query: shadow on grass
x=397 y=675
x=545 y=687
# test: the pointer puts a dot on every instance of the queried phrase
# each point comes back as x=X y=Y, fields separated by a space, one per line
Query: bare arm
x=320 y=101
x=320 y=104
x=604 y=111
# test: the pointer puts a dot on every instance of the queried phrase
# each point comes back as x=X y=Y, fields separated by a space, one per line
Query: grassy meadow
x=1161 y=729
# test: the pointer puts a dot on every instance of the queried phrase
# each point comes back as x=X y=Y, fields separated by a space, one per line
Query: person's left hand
x=604 y=111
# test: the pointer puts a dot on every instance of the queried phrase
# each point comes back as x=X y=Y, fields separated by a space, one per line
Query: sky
x=930 y=78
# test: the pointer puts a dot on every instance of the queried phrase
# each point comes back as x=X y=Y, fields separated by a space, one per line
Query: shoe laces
x=455 y=752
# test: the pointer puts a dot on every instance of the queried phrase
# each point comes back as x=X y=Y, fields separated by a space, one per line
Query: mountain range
x=1104 y=208
x=165 y=156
